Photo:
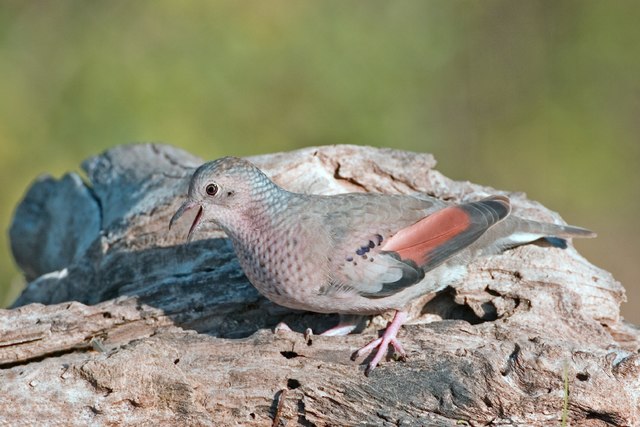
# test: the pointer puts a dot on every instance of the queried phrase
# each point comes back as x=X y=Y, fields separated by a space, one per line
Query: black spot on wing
x=482 y=215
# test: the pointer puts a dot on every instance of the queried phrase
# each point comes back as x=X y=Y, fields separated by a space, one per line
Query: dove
x=354 y=253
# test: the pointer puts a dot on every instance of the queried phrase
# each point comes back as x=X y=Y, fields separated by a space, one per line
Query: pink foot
x=346 y=325
x=282 y=327
x=382 y=343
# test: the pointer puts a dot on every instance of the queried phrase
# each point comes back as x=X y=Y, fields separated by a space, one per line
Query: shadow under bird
x=355 y=253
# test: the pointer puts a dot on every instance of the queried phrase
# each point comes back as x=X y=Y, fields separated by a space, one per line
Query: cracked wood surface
x=122 y=323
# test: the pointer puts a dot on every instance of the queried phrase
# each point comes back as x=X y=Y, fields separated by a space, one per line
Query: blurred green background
x=538 y=96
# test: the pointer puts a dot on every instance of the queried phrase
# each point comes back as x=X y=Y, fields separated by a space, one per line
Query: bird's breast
x=285 y=264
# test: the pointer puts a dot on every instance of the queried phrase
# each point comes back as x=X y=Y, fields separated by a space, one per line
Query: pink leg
x=339 y=330
x=348 y=322
x=346 y=325
x=382 y=343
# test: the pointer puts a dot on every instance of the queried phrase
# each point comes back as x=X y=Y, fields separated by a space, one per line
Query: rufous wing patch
x=444 y=233
x=418 y=240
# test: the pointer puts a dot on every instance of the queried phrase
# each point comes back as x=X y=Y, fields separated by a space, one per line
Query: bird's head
x=222 y=191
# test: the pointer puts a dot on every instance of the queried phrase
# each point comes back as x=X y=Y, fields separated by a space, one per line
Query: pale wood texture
x=122 y=323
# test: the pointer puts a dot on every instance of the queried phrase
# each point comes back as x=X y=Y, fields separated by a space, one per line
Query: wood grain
x=124 y=324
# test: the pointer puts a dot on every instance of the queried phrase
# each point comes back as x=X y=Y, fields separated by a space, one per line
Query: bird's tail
x=556 y=235
x=562 y=231
x=526 y=231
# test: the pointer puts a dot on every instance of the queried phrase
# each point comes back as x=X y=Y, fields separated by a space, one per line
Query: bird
x=353 y=253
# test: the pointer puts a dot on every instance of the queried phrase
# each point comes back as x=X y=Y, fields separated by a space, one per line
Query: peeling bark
x=122 y=323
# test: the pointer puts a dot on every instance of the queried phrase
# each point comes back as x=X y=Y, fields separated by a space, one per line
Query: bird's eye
x=211 y=189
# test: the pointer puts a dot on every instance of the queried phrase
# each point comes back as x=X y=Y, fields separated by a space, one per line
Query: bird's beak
x=188 y=205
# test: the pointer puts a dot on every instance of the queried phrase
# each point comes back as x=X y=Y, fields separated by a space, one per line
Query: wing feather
x=409 y=253
x=437 y=237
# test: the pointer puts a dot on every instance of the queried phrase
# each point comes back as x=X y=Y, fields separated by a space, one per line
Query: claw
x=308 y=333
x=382 y=344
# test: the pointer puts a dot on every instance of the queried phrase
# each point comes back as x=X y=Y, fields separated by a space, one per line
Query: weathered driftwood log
x=123 y=323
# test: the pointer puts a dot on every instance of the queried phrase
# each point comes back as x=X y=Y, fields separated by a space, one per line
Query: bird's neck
x=265 y=212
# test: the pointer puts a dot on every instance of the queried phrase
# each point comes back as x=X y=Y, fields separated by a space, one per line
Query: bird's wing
x=446 y=232
x=378 y=268
x=380 y=275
